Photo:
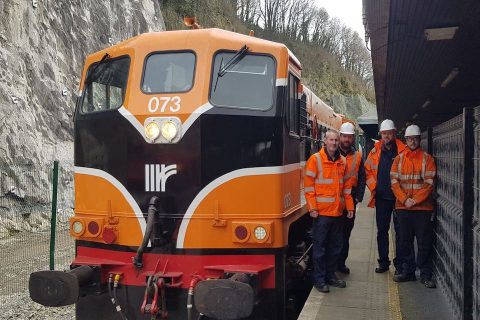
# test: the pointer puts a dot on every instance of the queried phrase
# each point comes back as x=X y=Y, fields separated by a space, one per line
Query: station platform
x=369 y=295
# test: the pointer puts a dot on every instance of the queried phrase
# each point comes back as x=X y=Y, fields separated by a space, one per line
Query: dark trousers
x=347 y=231
x=327 y=244
x=383 y=212
x=416 y=224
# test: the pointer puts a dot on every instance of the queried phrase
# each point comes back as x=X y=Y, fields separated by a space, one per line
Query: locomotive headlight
x=152 y=130
x=260 y=233
x=169 y=130
x=77 y=227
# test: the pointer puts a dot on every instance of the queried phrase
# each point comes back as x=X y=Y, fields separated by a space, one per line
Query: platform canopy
x=426 y=58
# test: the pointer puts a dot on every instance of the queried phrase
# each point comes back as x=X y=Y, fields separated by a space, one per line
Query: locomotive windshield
x=248 y=84
x=105 y=85
x=169 y=72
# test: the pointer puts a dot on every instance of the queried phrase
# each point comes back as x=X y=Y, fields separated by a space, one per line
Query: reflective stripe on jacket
x=354 y=159
x=325 y=188
x=371 y=167
x=412 y=176
x=357 y=172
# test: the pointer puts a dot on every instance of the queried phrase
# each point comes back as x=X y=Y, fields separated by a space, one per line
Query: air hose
x=152 y=210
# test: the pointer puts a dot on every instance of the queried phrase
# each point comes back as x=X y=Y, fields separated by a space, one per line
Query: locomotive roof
x=198 y=38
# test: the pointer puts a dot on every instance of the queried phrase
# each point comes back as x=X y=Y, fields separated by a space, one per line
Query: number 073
x=165 y=104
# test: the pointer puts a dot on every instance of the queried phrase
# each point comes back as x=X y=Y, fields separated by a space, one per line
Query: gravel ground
x=21 y=255
x=20 y=307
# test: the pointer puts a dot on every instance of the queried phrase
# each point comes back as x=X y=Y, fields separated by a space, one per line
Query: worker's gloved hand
x=409 y=203
x=314 y=213
x=350 y=214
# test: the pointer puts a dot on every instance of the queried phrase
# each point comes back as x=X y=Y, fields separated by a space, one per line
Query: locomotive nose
x=58 y=288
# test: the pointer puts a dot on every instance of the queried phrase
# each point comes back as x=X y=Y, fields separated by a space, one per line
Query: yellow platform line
x=393 y=297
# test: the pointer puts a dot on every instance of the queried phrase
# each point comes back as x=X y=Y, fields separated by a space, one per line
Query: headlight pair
x=165 y=128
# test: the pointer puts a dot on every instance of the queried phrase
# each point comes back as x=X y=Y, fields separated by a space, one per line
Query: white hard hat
x=413 y=130
x=347 y=128
x=386 y=125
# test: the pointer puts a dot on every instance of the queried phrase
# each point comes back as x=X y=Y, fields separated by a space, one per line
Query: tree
x=269 y=11
x=319 y=24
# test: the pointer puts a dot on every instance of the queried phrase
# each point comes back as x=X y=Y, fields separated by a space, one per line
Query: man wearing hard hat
x=377 y=168
x=357 y=174
x=412 y=177
x=327 y=193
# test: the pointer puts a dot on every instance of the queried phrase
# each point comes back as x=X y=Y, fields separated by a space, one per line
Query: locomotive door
x=294 y=147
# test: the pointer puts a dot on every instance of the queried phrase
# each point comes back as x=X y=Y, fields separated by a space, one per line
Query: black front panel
x=108 y=142
x=220 y=141
x=231 y=142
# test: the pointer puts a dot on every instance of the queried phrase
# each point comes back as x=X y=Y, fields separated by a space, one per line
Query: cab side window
x=105 y=85
x=293 y=114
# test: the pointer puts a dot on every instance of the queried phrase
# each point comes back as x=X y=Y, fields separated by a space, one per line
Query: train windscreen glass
x=105 y=85
x=168 y=72
x=249 y=83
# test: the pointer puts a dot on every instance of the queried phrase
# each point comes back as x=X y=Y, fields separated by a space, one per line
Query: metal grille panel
x=424 y=142
x=448 y=149
x=476 y=215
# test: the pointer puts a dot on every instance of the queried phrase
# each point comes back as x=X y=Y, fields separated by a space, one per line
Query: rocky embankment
x=352 y=106
x=43 y=45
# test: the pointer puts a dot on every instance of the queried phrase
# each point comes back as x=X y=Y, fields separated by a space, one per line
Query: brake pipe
x=152 y=212
x=116 y=303
x=110 y=283
x=193 y=283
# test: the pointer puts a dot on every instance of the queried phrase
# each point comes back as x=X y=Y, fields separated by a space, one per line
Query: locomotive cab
x=189 y=149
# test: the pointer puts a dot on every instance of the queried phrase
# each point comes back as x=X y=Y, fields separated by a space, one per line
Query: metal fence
x=476 y=213
x=454 y=144
x=25 y=223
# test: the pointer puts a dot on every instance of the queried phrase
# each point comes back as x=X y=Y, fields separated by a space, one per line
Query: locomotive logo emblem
x=156 y=176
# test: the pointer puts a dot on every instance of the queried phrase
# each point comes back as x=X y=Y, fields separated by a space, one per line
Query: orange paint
x=92 y=196
x=235 y=199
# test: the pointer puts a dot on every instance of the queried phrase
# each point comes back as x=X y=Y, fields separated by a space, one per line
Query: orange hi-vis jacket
x=371 y=167
x=412 y=176
x=354 y=159
x=325 y=188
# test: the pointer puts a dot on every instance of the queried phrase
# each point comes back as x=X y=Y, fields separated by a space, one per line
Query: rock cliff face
x=351 y=106
x=43 y=45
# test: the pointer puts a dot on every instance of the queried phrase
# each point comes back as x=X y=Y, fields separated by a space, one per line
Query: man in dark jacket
x=377 y=167
x=357 y=173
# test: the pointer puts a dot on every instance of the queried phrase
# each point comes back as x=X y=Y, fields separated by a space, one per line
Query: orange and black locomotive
x=189 y=151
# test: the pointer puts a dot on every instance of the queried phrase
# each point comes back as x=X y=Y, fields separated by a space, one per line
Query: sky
x=348 y=11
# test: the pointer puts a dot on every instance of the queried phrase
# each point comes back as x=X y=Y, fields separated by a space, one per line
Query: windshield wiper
x=233 y=61
x=90 y=74
x=230 y=63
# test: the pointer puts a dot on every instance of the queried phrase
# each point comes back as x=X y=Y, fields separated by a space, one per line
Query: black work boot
x=381 y=269
x=322 y=287
x=404 y=277
x=428 y=283
x=337 y=283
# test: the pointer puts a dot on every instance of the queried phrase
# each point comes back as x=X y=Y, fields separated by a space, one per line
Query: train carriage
x=189 y=149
